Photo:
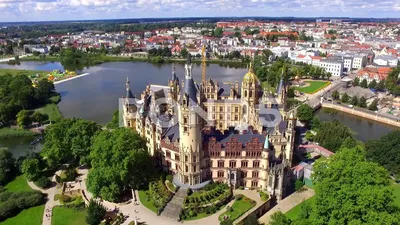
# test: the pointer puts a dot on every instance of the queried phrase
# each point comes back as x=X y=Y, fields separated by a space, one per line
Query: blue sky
x=40 y=10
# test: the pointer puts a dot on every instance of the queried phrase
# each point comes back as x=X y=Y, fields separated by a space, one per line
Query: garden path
x=51 y=192
x=288 y=203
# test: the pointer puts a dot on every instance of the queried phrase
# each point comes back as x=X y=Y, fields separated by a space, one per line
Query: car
x=351 y=106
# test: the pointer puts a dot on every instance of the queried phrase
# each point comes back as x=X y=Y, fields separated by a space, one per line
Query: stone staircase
x=173 y=208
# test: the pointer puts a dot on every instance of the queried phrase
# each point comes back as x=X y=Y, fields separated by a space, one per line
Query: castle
x=216 y=131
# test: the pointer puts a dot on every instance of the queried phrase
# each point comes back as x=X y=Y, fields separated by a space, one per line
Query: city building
x=371 y=73
x=217 y=131
x=333 y=66
x=386 y=60
x=359 y=61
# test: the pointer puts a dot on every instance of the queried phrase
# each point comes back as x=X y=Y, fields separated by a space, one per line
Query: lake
x=95 y=97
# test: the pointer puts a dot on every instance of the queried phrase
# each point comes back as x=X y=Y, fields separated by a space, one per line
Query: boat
x=34 y=142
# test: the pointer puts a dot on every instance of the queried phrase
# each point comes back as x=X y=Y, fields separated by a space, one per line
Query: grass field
x=397 y=193
x=68 y=216
x=7 y=132
x=51 y=110
x=239 y=207
x=22 y=72
x=31 y=216
x=313 y=86
x=147 y=204
x=18 y=184
x=294 y=212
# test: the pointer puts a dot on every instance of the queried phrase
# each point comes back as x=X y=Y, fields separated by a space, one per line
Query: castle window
x=254 y=174
x=250 y=94
x=245 y=93
x=220 y=173
x=236 y=117
x=221 y=117
x=185 y=120
x=129 y=123
x=221 y=164
x=185 y=129
x=254 y=183
x=213 y=116
x=232 y=164
x=168 y=154
x=194 y=159
x=236 y=109
x=244 y=164
x=256 y=164
x=194 y=168
x=244 y=174
x=221 y=109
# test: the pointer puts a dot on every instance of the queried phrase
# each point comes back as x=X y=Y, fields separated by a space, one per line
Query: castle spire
x=128 y=89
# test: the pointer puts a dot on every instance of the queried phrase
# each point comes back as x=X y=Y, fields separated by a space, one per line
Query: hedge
x=11 y=203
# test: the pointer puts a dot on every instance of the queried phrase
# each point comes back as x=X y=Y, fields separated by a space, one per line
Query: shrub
x=69 y=174
x=62 y=198
x=239 y=197
x=189 y=192
x=298 y=185
x=169 y=178
x=58 y=179
x=12 y=203
x=43 y=182
x=241 y=188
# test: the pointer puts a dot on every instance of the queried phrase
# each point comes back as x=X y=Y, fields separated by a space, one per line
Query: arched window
x=245 y=93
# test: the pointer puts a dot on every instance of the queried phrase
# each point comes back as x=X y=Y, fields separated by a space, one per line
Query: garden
x=241 y=205
x=157 y=197
x=313 y=86
x=208 y=201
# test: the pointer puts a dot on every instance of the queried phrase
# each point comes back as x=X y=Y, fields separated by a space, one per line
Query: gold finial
x=251 y=67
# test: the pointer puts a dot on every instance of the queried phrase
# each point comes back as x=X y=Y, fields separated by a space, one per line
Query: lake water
x=95 y=97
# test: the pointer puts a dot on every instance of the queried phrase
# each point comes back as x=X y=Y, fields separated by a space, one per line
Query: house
x=359 y=61
x=176 y=50
x=333 y=66
x=371 y=73
x=386 y=60
x=283 y=41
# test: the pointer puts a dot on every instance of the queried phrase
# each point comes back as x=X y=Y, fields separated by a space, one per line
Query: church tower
x=190 y=125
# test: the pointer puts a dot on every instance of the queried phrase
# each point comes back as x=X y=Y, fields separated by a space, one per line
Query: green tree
x=95 y=212
x=305 y=113
x=392 y=81
x=331 y=135
x=354 y=100
x=315 y=123
x=45 y=89
x=279 y=218
x=372 y=84
x=290 y=93
x=7 y=166
x=335 y=95
x=374 y=105
x=380 y=86
x=386 y=151
x=69 y=139
x=251 y=220
x=184 y=53
x=120 y=161
x=345 y=98
x=218 y=32
x=356 y=81
x=346 y=193
x=31 y=168
x=364 y=83
x=39 y=117
x=114 y=123
x=349 y=142
x=362 y=102
x=23 y=118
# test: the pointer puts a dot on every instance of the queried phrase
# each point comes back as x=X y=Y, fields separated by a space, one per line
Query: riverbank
x=364 y=115
x=22 y=72
x=70 y=78
x=8 y=132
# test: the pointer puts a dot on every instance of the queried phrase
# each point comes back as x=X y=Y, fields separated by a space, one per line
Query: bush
x=299 y=184
x=169 y=178
x=12 y=203
x=58 y=179
x=43 y=182
x=62 y=198
x=241 y=188
x=69 y=174
x=226 y=222
x=239 y=196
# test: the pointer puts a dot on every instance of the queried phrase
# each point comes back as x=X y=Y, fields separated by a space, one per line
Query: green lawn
x=313 y=87
x=147 y=204
x=68 y=216
x=239 y=207
x=397 y=193
x=294 y=212
x=18 y=184
x=31 y=216
x=24 y=72
x=51 y=110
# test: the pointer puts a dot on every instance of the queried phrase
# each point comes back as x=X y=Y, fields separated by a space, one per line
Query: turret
x=250 y=83
x=174 y=85
x=130 y=108
x=281 y=89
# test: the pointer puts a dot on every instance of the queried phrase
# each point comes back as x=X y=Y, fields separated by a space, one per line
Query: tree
x=386 y=151
x=346 y=193
x=45 y=89
x=251 y=220
x=95 y=212
x=349 y=142
x=39 y=117
x=335 y=95
x=345 y=97
x=392 y=81
x=354 y=100
x=305 y=113
x=290 y=93
x=362 y=102
x=23 y=118
x=380 y=86
x=315 y=123
x=114 y=123
x=364 y=83
x=31 y=168
x=331 y=135
x=356 y=81
x=8 y=169
x=218 y=32
x=372 y=84
x=184 y=53
x=374 y=105
x=69 y=139
x=279 y=218
x=120 y=161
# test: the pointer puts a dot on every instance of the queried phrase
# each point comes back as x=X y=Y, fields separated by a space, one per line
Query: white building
x=333 y=66
x=386 y=60
x=359 y=61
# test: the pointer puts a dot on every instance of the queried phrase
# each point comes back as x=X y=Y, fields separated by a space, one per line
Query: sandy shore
x=71 y=78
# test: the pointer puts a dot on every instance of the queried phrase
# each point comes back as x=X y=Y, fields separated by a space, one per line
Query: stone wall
x=261 y=210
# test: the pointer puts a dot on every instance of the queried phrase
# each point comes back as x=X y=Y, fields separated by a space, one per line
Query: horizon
x=87 y=10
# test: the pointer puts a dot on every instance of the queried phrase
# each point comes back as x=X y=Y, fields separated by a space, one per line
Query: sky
x=44 y=10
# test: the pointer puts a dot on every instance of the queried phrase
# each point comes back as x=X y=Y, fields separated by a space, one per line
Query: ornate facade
x=217 y=131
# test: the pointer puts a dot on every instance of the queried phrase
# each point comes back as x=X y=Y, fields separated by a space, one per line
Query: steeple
x=189 y=59
x=128 y=89
x=174 y=78
x=266 y=143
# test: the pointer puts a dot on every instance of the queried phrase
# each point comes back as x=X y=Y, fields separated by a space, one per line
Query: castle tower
x=281 y=89
x=290 y=135
x=130 y=108
x=190 y=125
x=174 y=85
x=249 y=92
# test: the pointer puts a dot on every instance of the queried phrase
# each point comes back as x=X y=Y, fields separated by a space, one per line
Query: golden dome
x=250 y=76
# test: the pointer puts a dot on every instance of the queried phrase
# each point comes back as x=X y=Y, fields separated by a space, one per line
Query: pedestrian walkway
x=287 y=204
x=174 y=207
